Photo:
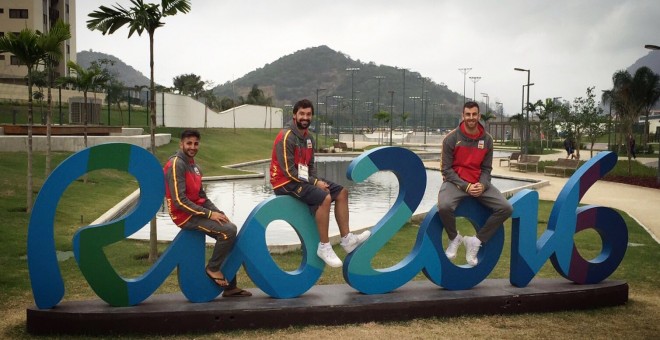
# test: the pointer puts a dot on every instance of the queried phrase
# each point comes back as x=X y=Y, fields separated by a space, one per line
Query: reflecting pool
x=368 y=201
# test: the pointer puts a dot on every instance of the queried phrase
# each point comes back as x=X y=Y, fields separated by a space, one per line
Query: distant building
x=40 y=15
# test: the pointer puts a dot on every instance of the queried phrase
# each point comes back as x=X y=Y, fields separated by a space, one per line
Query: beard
x=303 y=124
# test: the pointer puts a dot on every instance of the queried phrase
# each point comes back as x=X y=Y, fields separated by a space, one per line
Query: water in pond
x=368 y=201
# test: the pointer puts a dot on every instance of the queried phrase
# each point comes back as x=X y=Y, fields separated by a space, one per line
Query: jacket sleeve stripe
x=177 y=195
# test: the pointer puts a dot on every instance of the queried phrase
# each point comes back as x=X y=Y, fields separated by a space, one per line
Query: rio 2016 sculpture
x=186 y=252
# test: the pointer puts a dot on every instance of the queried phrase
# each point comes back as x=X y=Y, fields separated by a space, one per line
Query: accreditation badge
x=481 y=145
x=309 y=143
x=303 y=172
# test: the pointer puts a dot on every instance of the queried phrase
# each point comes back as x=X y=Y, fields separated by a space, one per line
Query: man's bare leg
x=322 y=218
x=341 y=212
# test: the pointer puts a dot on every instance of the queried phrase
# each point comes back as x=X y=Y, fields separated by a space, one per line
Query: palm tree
x=632 y=95
x=139 y=18
x=26 y=48
x=85 y=80
x=517 y=121
x=51 y=43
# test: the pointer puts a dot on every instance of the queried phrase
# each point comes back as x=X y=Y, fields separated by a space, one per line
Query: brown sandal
x=236 y=292
x=220 y=281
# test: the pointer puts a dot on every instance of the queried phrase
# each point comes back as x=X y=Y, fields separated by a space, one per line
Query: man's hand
x=323 y=185
x=476 y=190
x=219 y=217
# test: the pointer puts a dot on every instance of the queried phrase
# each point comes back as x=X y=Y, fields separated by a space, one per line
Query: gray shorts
x=310 y=194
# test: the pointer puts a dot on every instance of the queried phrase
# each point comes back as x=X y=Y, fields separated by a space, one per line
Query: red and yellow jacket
x=467 y=159
x=292 y=147
x=184 y=193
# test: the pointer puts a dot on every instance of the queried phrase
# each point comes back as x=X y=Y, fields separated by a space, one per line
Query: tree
x=31 y=48
x=189 y=85
x=85 y=80
x=517 y=121
x=632 y=95
x=51 y=43
x=139 y=18
x=590 y=117
x=381 y=116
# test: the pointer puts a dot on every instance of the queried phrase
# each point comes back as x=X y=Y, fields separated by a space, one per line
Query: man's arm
x=487 y=165
x=176 y=179
x=447 y=160
x=284 y=151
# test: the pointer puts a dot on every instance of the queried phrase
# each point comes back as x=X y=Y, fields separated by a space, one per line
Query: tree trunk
x=28 y=208
x=49 y=121
x=153 y=230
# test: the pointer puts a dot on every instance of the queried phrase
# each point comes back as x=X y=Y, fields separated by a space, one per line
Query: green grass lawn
x=84 y=202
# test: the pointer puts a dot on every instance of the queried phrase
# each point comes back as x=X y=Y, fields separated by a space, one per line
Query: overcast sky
x=569 y=45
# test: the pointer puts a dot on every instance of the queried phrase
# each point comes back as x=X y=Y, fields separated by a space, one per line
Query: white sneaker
x=351 y=241
x=472 y=244
x=453 y=247
x=328 y=255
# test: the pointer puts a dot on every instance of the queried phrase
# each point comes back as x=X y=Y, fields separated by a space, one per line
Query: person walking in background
x=466 y=163
x=293 y=172
x=191 y=209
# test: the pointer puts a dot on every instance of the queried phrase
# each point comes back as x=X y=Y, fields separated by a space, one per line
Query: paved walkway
x=643 y=204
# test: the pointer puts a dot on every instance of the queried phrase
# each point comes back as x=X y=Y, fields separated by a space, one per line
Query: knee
x=326 y=201
x=507 y=209
x=444 y=208
x=232 y=230
x=343 y=194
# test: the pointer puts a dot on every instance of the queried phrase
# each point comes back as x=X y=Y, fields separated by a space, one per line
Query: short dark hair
x=471 y=104
x=303 y=104
x=190 y=133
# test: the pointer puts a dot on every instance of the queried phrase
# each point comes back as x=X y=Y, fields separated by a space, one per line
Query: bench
x=562 y=165
x=513 y=157
x=339 y=146
x=525 y=161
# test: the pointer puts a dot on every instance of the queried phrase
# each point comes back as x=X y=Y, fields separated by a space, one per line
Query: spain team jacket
x=291 y=148
x=184 y=193
x=466 y=159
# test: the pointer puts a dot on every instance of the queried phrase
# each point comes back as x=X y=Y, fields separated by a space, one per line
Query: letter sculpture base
x=321 y=305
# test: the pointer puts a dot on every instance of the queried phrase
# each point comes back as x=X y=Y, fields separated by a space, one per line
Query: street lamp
x=338 y=112
x=465 y=71
x=474 y=89
x=527 y=109
x=487 y=107
x=318 y=119
x=378 y=103
x=391 y=113
x=352 y=69
x=527 y=126
x=655 y=47
x=414 y=99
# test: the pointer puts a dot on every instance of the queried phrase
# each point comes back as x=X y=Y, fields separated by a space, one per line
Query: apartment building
x=16 y=15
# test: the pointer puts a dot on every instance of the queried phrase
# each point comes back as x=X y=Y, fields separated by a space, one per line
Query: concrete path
x=643 y=204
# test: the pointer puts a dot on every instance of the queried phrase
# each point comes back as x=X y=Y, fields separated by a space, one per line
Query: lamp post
x=403 y=96
x=655 y=47
x=379 y=78
x=474 y=89
x=527 y=127
x=318 y=120
x=487 y=108
x=352 y=70
x=527 y=108
x=465 y=71
x=391 y=113
x=414 y=99
x=425 y=112
x=338 y=113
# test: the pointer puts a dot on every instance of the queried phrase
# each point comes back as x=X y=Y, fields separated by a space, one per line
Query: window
x=2 y=10
x=15 y=61
x=18 y=13
x=2 y=57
